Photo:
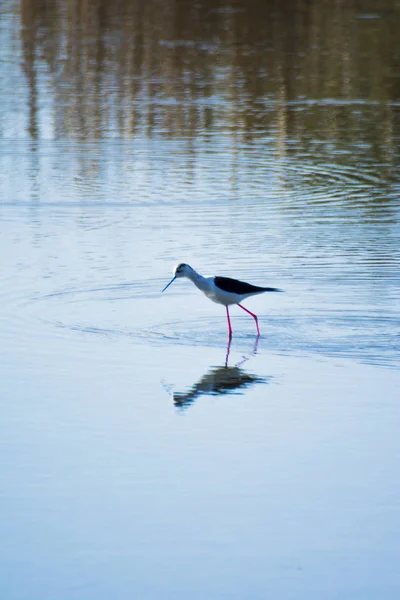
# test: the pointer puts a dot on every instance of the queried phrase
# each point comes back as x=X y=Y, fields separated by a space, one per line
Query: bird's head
x=181 y=270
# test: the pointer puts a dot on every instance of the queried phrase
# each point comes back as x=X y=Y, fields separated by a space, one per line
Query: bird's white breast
x=220 y=296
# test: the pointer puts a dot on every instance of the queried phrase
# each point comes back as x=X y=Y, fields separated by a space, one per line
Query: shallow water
x=143 y=457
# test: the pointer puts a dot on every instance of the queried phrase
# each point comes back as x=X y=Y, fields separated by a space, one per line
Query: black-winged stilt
x=222 y=290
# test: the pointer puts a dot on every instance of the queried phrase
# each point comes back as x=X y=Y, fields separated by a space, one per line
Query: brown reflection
x=220 y=380
x=178 y=67
x=29 y=43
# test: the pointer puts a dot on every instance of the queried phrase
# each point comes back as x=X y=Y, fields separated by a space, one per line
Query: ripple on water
x=369 y=336
x=336 y=184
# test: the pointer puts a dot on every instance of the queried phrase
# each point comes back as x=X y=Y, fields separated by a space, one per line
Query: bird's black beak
x=168 y=284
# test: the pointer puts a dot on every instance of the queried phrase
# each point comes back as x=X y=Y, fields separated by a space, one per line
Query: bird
x=222 y=290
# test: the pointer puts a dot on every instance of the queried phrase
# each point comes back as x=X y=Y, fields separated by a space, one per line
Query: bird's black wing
x=240 y=287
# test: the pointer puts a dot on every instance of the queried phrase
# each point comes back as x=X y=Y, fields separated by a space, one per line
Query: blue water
x=141 y=455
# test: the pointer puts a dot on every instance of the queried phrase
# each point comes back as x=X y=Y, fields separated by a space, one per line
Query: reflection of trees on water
x=183 y=68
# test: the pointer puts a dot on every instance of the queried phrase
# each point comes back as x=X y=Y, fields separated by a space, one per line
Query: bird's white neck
x=198 y=280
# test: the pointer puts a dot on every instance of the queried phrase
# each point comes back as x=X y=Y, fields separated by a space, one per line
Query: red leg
x=229 y=322
x=228 y=349
x=254 y=317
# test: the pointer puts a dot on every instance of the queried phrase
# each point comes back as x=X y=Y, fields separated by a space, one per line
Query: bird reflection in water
x=220 y=380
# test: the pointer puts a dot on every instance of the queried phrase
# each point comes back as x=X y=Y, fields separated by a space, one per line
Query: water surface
x=143 y=457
